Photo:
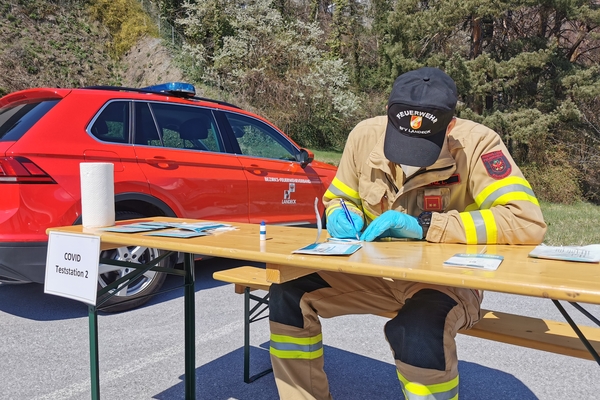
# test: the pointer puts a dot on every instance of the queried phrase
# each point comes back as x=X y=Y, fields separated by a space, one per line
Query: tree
x=280 y=69
x=526 y=68
x=520 y=67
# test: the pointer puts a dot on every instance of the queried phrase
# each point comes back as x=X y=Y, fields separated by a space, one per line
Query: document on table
x=190 y=230
x=178 y=233
x=172 y=229
x=329 y=249
x=136 y=227
x=488 y=262
x=589 y=253
x=210 y=227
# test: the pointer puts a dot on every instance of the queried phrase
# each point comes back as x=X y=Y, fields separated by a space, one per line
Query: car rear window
x=16 y=120
x=112 y=125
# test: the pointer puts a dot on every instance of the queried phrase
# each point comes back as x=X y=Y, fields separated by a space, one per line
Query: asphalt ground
x=44 y=351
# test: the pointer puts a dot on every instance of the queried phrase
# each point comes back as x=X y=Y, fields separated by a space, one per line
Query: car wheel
x=140 y=290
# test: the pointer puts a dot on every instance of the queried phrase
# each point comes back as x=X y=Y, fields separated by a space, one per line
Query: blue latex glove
x=395 y=224
x=340 y=227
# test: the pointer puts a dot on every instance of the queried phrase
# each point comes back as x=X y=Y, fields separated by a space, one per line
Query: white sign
x=72 y=266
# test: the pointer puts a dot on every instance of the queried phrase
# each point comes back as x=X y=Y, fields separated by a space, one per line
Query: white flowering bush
x=279 y=67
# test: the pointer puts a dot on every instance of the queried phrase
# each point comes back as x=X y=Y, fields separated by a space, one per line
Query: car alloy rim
x=107 y=274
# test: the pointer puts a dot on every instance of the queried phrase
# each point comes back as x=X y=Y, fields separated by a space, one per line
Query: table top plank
x=417 y=261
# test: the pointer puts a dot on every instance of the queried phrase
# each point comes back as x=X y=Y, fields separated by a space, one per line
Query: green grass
x=568 y=225
x=573 y=224
x=329 y=157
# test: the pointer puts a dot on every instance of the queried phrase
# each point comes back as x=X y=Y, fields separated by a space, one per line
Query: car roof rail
x=176 y=89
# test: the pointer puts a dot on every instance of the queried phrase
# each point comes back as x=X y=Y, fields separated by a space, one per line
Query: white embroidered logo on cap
x=427 y=115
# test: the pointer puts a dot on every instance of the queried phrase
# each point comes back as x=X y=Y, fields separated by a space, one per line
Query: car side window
x=146 y=132
x=112 y=124
x=258 y=139
x=184 y=127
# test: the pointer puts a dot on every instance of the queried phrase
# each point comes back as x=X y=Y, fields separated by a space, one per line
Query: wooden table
x=411 y=260
x=417 y=261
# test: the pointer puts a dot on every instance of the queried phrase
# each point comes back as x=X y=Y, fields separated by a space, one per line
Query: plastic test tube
x=263 y=231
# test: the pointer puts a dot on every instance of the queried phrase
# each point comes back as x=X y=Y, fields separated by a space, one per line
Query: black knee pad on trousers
x=416 y=334
x=284 y=299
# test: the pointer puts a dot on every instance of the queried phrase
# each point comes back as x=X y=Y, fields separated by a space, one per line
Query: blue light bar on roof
x=174 y=88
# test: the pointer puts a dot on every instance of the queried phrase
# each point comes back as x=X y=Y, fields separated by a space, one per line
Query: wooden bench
x=535 y=333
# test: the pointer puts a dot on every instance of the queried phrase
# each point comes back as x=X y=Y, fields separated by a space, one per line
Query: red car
x=174 y=154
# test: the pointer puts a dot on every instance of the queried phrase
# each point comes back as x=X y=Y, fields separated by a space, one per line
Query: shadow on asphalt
x=351 y=377
x=204 y=270
x=29 y=300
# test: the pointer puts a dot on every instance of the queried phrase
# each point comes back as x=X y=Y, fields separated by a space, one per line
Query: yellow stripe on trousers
x=296 y=348
x=438 y=391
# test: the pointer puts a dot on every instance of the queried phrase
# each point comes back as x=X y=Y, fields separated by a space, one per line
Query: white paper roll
x=97 y=194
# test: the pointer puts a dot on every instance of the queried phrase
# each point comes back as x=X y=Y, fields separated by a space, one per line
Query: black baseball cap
x=420 y=108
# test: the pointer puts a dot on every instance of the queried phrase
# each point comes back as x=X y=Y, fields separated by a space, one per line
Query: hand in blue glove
x=395 y=224
x=340 y=227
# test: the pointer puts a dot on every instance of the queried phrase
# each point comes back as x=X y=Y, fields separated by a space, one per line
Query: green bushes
x=554 y=183
x=278 y=66
x=126 y=21
x=529 y=70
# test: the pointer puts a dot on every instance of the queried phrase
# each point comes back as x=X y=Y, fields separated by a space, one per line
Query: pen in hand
x=347 y=212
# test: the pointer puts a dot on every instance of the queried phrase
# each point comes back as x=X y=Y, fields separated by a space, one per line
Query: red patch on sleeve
x=496 y=164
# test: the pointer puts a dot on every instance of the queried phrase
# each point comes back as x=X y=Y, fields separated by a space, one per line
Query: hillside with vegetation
x=45 y=43
x=529 y=70
x=75 y=43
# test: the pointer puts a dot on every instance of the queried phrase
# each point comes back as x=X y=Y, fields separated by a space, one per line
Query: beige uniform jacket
x=475 y=191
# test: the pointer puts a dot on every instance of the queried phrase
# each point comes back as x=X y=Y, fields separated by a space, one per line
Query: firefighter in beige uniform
x=418 y=173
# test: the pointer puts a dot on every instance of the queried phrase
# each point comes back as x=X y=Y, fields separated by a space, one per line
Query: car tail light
x=22 y=170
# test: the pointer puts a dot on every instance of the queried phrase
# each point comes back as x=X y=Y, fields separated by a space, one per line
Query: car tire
x=141 y=289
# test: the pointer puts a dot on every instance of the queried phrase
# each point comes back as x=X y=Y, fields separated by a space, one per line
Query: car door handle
x=256 y=170
x=161 y=163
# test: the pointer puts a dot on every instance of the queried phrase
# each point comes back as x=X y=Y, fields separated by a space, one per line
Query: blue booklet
x=488 y=262
x=329 y=249
x=171 y=229
x=178 y=233
x=135 y=227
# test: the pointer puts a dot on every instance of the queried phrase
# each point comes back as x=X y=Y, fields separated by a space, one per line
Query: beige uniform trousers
x=352 y=294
